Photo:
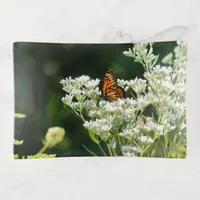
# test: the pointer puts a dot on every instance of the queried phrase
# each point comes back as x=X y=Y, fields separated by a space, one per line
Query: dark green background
x=38 y=68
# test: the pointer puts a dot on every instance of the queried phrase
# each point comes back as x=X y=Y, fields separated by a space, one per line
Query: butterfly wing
x=108 y=82
x=115 y=92
x=109 y=88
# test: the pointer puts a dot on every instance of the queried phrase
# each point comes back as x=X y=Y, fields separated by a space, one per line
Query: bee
x=144 y=119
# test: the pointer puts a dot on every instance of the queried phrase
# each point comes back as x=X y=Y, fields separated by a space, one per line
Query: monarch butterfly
x=109 y=88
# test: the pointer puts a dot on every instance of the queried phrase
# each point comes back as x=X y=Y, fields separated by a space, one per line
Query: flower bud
x=19 y=115
x=54 y=136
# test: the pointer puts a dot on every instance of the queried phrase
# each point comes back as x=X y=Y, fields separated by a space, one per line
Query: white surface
x=99 y=21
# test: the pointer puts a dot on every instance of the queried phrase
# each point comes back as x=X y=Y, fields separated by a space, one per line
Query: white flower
x=145 y=139
x=67 y=100
x=138 y=85
x=121 y=82
x=163 y=89
x=54 y=136
x=101 y=127
x=82 y=80
x=143 y=101
x=129 y=132
x=168 y=59
x=129 y=150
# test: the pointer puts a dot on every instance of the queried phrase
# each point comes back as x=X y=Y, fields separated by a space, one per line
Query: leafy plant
x=53 y=136
x=123 y=125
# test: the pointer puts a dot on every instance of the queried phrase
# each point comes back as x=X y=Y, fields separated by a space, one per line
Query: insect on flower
x=144 y=119
x=109 y=88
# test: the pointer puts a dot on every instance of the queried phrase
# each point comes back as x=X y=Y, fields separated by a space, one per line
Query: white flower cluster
x=79 y=91
x=122 y=121
x=138 y=85
x=142 y=55
x=130 y=151
x=166 y=88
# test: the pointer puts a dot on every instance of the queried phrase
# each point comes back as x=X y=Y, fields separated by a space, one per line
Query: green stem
x=145 y=148
x=113 y=150
x=44 y=148
x=153 y=154
x=110 y=152
x=91 y=152
x=115 y=154
x=80 y=115
x=166 y=145
x=101 y=149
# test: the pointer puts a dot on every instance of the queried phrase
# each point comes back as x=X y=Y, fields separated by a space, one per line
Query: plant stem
x=43 y=149
x=166 y=145
x=102 y=150
x=112 y=149
x=114 y=152
x=142 y=152
x=153 y=154
x=110 y=152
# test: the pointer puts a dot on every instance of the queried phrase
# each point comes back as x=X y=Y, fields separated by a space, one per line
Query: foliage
x=151 y=121
x=18 y=142
x=53 y=137
x=19 y=115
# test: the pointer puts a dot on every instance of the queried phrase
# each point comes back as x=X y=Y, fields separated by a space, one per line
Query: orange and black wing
x=109 y=88
x=108 y=82
x=115 y=92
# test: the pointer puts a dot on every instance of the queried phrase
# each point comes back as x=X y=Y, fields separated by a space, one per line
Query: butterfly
x=109 y=88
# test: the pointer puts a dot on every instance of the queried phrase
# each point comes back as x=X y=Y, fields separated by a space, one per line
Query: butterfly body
x=110 y=90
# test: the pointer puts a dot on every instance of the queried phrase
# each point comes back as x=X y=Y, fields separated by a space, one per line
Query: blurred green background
x=38 y=69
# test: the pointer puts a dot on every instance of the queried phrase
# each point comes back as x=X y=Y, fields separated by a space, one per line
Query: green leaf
x=155 y=60
x=93 y=137
x=91 y=152
x=18 y=142
x=16 y=156
x=168 y=59
x=41 y=156
x=19 y=115
x=132 y=94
